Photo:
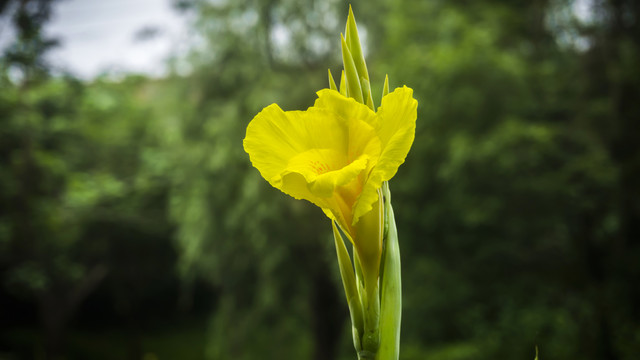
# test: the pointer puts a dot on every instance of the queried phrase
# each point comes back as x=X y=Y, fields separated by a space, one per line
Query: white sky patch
x=563 y=19
x=6 y=28
x=583 y=10
x=98 y=36
x=280 y=35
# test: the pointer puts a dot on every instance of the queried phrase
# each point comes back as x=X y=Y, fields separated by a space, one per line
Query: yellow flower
x=337 y=153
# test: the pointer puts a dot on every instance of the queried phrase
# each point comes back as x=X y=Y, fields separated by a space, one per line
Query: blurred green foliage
x=130 y=215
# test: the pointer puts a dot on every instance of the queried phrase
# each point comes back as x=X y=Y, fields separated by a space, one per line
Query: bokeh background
x=132 y=225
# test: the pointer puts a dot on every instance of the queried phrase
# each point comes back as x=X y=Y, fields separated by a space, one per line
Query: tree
x=73 y=193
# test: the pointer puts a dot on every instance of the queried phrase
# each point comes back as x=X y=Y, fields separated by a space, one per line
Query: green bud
x=353 y=41
x=353 y=80
x=391 y=292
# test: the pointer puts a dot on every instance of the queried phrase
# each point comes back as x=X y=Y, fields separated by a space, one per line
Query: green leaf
x=391 y=292
x=343 y=84
x=350 y=287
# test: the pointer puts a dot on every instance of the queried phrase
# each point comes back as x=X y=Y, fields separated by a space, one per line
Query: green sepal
x=353 y=41
x=350 y=287
x=332 y=83
x=353 y=80
x=343 y=84
x=358 y=267
x=391 y=291
x=385 y=87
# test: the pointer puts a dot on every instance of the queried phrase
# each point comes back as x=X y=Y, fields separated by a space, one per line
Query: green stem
x=366 y=355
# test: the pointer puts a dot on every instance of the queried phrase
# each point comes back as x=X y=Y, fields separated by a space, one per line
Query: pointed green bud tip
x=332 y=83
x=343 y=84
x=351 y=19
x=385 y=87
x=353 y=43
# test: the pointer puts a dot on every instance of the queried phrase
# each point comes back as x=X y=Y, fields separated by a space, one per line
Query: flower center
x=319 y=167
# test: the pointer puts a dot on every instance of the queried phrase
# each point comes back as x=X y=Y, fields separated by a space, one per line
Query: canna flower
x=336 y=154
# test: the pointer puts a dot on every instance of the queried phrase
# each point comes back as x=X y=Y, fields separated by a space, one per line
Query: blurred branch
x=87 y=285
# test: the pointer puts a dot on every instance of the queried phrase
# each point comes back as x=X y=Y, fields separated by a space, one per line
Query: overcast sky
x=100 y=35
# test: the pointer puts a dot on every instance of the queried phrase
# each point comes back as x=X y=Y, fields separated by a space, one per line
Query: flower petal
x=359 y=119
x=269 y=141
x=397 y=119
x=345 y=107
x=323 y=190
x=337 y=153
x=274 y=137
x=317 y=166
x=396 y=131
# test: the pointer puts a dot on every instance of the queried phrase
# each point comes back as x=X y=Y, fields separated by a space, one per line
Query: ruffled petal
x=396 y=131
x=397 y=115
x=345 y=107
x=274 y=137
x=270 y=142
x=368 y=196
